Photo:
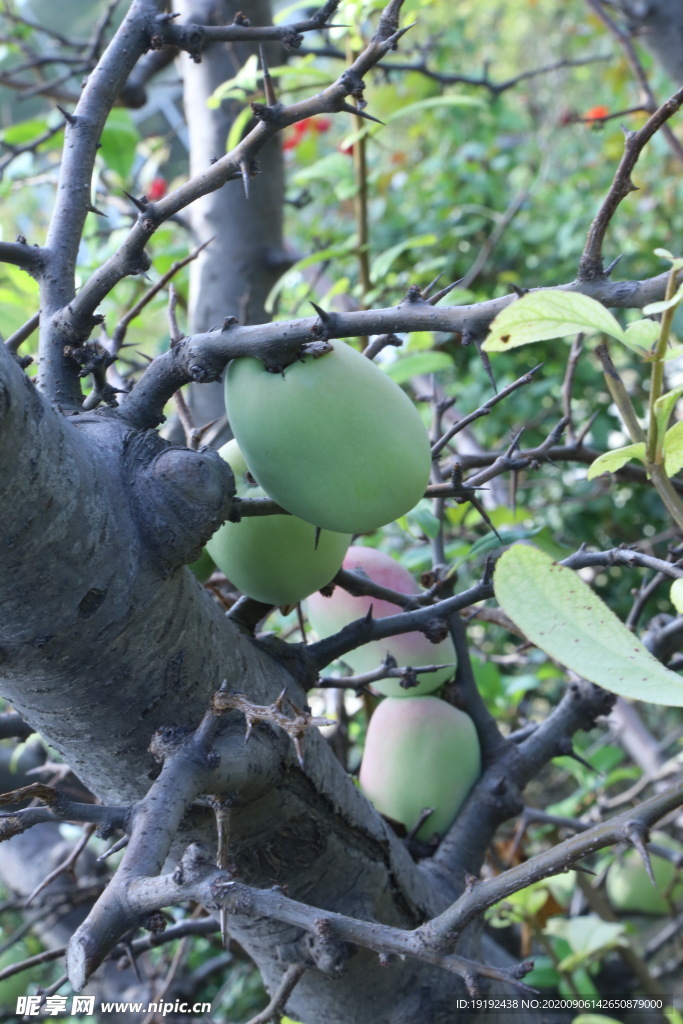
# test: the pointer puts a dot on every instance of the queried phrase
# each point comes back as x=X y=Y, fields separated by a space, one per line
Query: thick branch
x=203 y=357
x=196 y=38
x=130 y=258
x=58 y=375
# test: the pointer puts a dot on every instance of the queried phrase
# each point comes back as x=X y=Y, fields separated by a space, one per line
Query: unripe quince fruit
x=328 y=615
x=332 y=439
x=274 y=559
x=629 y=887
x=420 y=753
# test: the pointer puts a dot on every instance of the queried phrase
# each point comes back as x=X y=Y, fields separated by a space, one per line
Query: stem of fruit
x=665 y=489
x=654 y=442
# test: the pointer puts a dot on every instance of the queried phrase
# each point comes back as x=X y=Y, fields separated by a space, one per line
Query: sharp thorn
x=324 y=316
x=139 y=204
x=69 y=118
x=360 y=113
x=438 y=296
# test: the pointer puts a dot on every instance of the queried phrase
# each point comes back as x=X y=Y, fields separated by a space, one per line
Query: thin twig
x=591 y=262
x=67 y=865
x=483 y=410
x=647 y=97
x=122 y=326
x=568 y=384
x=277 y=1005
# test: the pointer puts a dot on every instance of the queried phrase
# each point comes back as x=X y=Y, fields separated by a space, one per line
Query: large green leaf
x=560 y=613
x=610 y=462
x=418 y=363
x=549 y=313
x=381 y=263
x=673 y=449
x=641 y=334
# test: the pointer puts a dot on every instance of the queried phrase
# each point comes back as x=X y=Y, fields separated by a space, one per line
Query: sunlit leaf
x=546 y=314
x=418 y=364
x=659 y=307
x=673 y=449
x=664 y=406
x=561 y=615
x=664 y=254
x=329 y=253
x=589 y=937
x=676 y=595
x=243 y=82
x=434 y=101
x=641 y=334
x=237 y=128
x=23 y=131
x=381 y=264
x=610 y=462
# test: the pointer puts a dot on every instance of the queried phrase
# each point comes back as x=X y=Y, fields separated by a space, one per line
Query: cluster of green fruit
x=419 y=750
x=338 y=445
x=342 y=448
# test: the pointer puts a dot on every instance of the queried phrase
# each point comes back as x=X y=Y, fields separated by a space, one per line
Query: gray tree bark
x=659 y=26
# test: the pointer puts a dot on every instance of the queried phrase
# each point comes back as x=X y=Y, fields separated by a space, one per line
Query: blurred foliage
x=453 y=163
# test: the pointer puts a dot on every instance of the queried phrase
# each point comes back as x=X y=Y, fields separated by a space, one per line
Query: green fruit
x=203 y=566
x=629 y=888
x=274 y=559
x=333 y=439
x=420 y=753
x=328 y=615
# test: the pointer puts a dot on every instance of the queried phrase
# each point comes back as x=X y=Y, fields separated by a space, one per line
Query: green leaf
x=426 y=520
x=676 y=595
x=641 y=334
x=676 y=261
x=23 y=131
x=660 y=307
x=491 y=541
x=413 y=366
x=610 y=462
x=588 y=936
x=434 y=101
x=118 y=142
x=561 y=615
x=549 y=313
x=329 y=253
x=237 y=128
x=673 y=449
x=664 y=406
x=245 y=81
x=381 y=264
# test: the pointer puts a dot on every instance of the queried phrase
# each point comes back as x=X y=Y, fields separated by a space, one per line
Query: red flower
x=157 y=189
x=301 y=128
x=598 y=113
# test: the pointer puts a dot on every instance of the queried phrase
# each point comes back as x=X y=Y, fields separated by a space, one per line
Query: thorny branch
x=203 y=357
x=647 y=97
x=591 y=263
x=632 y=826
